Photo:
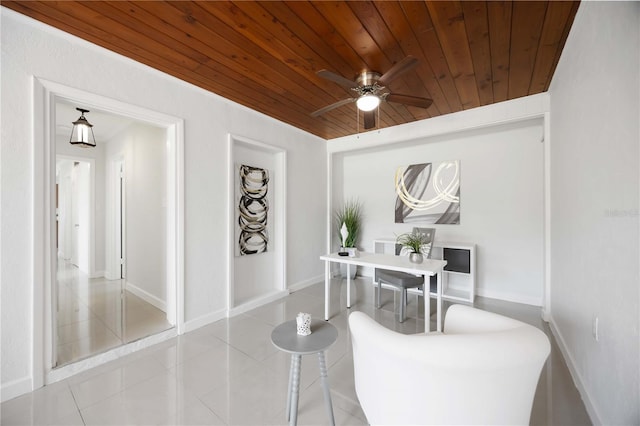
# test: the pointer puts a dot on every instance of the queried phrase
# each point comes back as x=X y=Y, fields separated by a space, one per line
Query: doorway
x=99 y=309
x=46 y=300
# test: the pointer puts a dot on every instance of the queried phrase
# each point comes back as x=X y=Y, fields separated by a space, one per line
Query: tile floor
x=95 y=315
x=229 y=373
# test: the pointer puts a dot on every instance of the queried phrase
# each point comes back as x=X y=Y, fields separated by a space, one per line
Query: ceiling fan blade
x=409 y=100
x=369 y=119
x=337 y=78
x=398 y=69
x=332 y=106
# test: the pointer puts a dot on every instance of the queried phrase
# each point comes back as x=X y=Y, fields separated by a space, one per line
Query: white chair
x=483 y=369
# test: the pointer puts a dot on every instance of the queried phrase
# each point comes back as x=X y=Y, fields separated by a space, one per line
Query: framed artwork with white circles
x=428 y=193
x=252 y=200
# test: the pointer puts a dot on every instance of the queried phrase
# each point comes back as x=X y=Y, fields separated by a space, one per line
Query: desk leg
x=295 y=387
x=439 y=307
x=327 y=290
x=325 y=387
x=348 y=286
x=426 y=289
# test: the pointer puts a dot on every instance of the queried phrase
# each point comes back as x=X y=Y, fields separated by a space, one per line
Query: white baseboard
x=15 y=388
x=146 y=296
x=204 y=320
x=97 y=274
x=575 y=375
x=247 y=306
x=509 y=297
x=74 y=368
x=306 y=283
x=257 y=302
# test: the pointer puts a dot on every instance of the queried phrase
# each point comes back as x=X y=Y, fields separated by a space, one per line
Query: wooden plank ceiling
x=265 y=54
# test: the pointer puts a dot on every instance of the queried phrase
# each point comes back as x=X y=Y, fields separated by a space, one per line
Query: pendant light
x=82 y=132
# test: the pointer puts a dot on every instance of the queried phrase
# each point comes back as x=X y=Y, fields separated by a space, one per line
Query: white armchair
x=483 y=369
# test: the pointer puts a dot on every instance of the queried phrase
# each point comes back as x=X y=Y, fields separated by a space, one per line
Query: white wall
x=81 y=205
x=501 y=197
x=65 y=224
x=143 y=148
x=145 y=177
x=595 y=111
x=33 y=49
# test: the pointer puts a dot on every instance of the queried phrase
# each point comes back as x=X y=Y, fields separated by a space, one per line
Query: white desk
x=428 y=268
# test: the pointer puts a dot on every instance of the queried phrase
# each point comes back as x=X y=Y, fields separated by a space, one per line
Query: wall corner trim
x=577 y=379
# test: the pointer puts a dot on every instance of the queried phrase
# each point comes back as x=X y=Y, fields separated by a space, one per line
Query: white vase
x=303 y=324
x=415 y=257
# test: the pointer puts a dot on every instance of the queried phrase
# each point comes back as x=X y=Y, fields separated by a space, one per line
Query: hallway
x=97 y=314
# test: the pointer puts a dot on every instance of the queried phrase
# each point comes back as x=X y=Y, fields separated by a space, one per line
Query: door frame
x=45 y=94
x=115 y=253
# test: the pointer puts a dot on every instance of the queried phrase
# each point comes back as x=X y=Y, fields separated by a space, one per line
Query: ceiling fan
x=370 y=88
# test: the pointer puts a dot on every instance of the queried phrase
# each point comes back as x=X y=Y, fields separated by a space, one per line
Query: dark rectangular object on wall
x=458 y=260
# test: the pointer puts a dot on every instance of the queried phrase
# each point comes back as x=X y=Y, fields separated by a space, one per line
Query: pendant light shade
x=368 y=102
x=82 y=132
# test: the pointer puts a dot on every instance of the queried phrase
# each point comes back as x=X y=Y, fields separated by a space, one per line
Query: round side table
x=286 y=338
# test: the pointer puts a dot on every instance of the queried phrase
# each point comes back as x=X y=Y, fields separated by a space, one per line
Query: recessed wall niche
x=257 y=199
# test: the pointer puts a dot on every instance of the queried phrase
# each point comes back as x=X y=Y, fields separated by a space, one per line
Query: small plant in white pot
x=414 y=244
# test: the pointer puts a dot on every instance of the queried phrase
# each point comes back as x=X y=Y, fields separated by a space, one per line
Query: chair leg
x=378 y=295
x=403 y=303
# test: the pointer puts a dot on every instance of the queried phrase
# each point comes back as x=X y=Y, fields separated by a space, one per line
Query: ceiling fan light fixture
x=82 y=132
x=368 y=102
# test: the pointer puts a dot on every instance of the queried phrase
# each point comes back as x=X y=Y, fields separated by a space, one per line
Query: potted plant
x=414 y=243
x=348 y=221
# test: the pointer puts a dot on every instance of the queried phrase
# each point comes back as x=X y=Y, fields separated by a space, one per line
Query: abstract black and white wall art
x=428 y=193
x=252 y=188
